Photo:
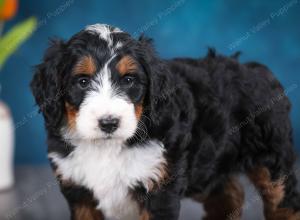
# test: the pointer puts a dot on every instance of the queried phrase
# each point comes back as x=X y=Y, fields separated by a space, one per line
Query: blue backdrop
x=266 y=31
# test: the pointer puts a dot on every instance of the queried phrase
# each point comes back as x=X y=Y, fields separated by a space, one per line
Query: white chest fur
x=110 y=170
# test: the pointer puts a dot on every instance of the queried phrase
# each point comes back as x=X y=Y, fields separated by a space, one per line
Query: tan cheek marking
x=126 y=65
x=145 y=215
x=71 y=115
x=138 y=111
x=86 y=65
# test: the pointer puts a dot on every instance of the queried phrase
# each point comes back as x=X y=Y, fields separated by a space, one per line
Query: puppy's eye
x=128 y=80
x=83 y=82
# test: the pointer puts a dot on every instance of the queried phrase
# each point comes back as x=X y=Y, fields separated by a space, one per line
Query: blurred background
x=265 y=31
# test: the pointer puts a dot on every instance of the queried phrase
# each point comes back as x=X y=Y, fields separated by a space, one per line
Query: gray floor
x=36 y=197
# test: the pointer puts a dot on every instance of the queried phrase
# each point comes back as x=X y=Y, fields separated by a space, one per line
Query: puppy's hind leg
x=280 y=197
x=291 y=199
x=225 y=201
x=271 y=157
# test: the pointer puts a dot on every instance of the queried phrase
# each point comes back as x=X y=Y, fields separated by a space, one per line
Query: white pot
x=6 y=147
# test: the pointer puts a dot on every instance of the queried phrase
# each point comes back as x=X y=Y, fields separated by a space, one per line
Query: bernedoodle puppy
x=131 y=134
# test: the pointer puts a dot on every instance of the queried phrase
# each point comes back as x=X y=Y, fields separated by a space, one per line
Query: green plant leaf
x=10 y=42
x=1 y=3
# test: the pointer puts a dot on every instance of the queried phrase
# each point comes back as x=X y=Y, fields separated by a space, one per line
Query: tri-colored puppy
x=131 y=134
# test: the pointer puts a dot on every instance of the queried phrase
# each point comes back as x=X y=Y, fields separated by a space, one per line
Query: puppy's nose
x=109 y=124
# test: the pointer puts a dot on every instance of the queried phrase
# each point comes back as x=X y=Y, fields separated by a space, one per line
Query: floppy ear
x=160 y=85
x=46 y=85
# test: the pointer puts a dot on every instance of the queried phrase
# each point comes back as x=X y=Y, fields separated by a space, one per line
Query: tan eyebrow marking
x=86 y=65
x=126 y=65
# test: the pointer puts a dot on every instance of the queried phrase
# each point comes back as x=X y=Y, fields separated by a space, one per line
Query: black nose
x=109 y=124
